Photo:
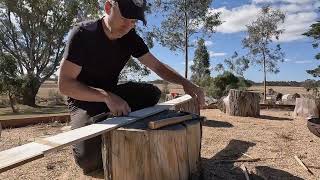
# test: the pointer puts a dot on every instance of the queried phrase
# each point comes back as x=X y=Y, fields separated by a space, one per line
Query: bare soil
x=273 y=140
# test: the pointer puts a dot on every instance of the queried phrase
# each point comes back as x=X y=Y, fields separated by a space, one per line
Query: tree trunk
x=30 y=90
x=306 y=107
x=186 y=43
x=265 y=80
x=137 y=153
x=12 y=103
x=242 y=103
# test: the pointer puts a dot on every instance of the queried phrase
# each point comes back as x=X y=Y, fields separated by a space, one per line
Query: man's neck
x=107 y=29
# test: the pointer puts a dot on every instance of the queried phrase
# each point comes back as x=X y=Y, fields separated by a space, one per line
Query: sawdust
x=273 y=139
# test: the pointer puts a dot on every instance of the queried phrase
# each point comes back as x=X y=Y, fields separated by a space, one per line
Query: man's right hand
x=116 y=105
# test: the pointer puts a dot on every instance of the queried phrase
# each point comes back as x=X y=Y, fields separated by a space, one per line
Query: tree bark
x=186 y=40
x=30 y=90
x=265 y=79
x=135 y=152
x=12 y=103
x=306 y=107
x=242 y=103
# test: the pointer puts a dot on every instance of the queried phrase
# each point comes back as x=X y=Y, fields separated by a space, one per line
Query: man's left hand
x=196 y=92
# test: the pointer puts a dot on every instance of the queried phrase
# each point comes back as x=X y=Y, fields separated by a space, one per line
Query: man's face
x=119 y=24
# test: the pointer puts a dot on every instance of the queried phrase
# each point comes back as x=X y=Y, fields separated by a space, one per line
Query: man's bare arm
x=70 y=86
x=168 y=74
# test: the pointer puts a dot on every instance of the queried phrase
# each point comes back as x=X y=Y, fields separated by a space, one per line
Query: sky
x=299 y=53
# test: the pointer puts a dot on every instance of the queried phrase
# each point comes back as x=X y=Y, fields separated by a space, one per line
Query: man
x=96 y=53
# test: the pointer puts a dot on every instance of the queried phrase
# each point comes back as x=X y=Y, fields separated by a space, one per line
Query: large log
x=191 y=106
x=306 y=107
x=136 y=152
x=242 y=103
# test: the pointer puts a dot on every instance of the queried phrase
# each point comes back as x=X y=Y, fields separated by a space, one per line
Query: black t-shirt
x=101 y=59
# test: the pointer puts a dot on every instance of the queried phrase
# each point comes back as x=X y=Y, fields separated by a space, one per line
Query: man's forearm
x=79 y=91
x=169 y=74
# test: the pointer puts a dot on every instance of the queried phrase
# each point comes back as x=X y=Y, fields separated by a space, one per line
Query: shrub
x=55 y=98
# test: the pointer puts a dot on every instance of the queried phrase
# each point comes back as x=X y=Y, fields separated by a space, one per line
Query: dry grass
x=274 y=138
x=281 y=89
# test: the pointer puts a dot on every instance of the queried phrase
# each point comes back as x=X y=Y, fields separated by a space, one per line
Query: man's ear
x=107 y=7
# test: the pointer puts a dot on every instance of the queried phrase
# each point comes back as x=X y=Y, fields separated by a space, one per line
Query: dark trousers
x=87 y=154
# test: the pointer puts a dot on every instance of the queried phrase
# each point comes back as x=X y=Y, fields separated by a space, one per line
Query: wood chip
x=302 y=164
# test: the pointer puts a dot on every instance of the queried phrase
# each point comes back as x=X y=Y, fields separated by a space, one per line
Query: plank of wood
x=149 y=111
x=302 y=164
x=168 y=121
x=17 y=156
x=20 y=155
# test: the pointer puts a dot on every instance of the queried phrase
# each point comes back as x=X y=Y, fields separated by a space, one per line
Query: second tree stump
x=242 y=103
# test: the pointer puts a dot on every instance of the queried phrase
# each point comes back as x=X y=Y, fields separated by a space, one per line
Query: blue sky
x=299 y=54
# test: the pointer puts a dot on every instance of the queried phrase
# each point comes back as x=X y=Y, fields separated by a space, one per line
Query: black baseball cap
x=133 y=9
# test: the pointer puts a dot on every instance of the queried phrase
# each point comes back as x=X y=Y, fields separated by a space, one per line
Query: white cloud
x=215 y=54
x=300 y=14
x=283 y=1
x=208 y=43
x=287 y=60
x=296 y=24
x=234 y=20
x=303 y=62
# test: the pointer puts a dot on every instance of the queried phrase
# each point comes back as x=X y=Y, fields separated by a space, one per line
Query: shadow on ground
x=275 y=118
x=214 y=168
x=214 y=123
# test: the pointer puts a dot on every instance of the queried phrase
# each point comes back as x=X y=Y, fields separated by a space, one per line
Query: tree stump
x=306 y=107
x=242 y=103
x=189 y=106
x=135 y=152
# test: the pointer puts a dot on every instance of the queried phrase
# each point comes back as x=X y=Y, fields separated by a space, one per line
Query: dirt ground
x=271 y=140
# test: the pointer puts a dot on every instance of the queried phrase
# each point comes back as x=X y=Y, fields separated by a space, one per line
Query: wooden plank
x=168 y=121
x=87 y=132
x=149 y=111
x=26 y=153
x=20 y=155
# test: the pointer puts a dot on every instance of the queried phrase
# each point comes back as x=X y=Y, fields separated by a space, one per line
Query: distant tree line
x=284 y=83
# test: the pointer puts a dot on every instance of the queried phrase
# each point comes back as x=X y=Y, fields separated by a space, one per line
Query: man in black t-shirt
x=95 y=54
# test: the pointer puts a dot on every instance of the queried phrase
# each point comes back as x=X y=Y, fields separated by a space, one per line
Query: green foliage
x=314 y=33
x=33 y=33
x=201 y=66
x=219 y=68
x=237 y=65
x=220 y=85
x=55 y=98
x=182 y=19
x=259 y=41
x=314 y=72
x=10 y=82
x=134 y=70
x=313 y=86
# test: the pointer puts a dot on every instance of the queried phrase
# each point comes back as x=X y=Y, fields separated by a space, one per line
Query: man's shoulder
x=84 y=29
x=89 y=25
